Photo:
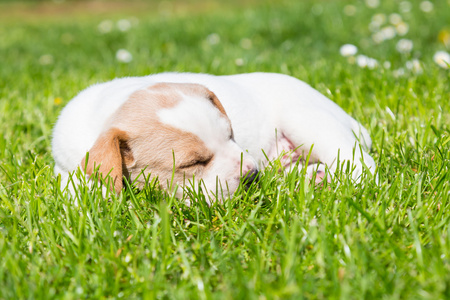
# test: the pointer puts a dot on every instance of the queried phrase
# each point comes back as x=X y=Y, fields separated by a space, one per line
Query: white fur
x=203 y=119
x=200 y=118
x=263 y=109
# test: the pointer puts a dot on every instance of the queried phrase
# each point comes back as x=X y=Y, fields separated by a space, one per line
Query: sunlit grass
x=283 y=238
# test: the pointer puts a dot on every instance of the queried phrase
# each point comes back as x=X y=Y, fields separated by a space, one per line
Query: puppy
x=192 y=128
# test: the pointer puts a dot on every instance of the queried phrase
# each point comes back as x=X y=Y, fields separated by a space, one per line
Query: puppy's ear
x=215 y=101
x=110 y=154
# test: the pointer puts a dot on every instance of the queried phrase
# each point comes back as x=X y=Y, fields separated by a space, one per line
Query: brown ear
x=109 y=155
x=216 y=102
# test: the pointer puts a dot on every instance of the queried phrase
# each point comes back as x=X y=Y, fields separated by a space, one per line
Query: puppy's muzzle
x=251 y=177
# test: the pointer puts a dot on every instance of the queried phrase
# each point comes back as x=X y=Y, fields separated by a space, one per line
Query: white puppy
x=183 y=127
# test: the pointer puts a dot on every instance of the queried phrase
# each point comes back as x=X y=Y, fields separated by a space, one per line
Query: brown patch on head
x=138 y=143
x=191 y=89
x=109 y=155
x=163 y=95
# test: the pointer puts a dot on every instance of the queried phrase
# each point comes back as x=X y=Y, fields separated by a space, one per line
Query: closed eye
x=199 y=162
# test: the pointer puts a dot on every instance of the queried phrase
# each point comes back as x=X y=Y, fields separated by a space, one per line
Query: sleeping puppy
x=196 y=128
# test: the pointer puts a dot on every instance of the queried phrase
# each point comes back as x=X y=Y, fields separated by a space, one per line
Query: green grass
x=281 y=239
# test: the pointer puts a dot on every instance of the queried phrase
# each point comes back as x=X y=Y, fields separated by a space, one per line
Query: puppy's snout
x=251 y=177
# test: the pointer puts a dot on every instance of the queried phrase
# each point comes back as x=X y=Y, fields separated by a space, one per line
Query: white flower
x=414 y=65
x=399 y=72
x=372 y=63
x=350 y=10
x=123 y=25
x=124 y=56
x=442 y=58
x=46 y=59
x=379 y=19
x=426 y=6
x=348 y=50
x=378 y=37
x=402 y=28
x=200 y=284
x=395 y=19
x=404 y=46
x=366 y=62
x=105 y=26
x=213 y=39
x=388 y=32
x=372 y=3
x=387 y=64
x=239 y=62
x=405 y=6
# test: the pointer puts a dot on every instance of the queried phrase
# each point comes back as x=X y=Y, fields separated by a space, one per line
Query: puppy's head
x=169 y=130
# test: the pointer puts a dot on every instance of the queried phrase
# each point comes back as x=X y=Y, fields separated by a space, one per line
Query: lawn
x=283 y=238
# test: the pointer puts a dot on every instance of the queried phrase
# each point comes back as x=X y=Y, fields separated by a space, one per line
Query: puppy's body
x=269 y=114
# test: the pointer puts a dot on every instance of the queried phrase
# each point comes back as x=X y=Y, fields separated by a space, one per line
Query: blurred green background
x=382 y=61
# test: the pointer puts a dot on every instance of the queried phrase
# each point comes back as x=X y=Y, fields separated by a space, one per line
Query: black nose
x=251 y=177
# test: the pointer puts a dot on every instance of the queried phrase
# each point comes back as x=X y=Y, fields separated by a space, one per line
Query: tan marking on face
x=168 y=152
x=151 y=146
